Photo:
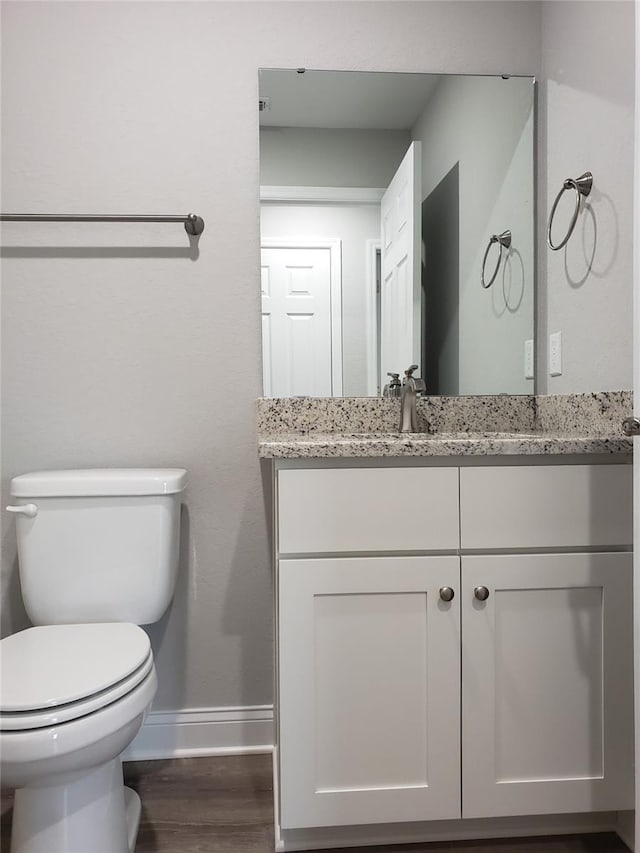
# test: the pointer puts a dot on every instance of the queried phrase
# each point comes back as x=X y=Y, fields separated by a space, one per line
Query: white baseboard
x=203 y=731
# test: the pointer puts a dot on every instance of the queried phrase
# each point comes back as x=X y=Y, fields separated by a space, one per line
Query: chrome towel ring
x=504 y=241
x=582 y=186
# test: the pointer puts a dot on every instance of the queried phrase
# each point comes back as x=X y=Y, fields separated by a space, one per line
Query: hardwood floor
x=205 y=805
x=224 y=805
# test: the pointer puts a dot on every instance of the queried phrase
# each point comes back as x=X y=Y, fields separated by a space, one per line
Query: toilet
x=98 y=557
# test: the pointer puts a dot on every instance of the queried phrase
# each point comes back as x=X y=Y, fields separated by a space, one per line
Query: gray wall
x=486 y=125
x=321 y=157
x=586 y=111
x=119 y=348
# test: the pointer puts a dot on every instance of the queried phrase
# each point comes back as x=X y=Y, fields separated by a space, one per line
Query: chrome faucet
x=411 y=386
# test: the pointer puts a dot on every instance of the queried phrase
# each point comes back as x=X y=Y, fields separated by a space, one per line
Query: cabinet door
x=547 y=698
x=369 y=690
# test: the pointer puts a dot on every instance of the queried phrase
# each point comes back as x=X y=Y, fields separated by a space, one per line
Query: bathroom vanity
x=454 y=636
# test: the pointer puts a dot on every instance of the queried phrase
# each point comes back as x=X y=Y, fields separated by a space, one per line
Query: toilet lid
x=20 y=721
x=49 y=666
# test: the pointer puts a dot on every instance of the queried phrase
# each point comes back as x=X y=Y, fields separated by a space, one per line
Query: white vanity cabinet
x=399 y=703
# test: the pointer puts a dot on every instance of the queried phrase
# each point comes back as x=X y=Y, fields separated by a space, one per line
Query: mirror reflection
x=385 y=204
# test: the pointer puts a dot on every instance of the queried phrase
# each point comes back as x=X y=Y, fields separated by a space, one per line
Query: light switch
x=555 y=354
x=528 y=359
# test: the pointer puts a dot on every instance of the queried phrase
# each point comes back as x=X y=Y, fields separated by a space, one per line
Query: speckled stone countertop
x=350 y=445
x=450 y=426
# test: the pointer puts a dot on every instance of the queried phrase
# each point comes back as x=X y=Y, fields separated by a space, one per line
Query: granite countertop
x=351 y=445
x=473 y=426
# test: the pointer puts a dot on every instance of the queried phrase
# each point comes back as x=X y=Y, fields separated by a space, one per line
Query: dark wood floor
x=224 y=805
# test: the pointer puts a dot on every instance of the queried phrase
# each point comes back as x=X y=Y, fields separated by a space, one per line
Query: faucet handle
x=393 y=388
x=419 y=385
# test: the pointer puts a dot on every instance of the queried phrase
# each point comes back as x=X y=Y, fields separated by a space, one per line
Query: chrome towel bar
x=582 y=186
x=193 y=224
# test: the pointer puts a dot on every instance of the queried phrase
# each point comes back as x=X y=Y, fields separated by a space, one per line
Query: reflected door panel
x=296 y=321
x=400 y=214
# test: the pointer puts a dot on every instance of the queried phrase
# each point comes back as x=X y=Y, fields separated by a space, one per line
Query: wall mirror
x=397 y=228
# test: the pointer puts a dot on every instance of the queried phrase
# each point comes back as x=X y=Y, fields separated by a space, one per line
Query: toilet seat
x=56 y=673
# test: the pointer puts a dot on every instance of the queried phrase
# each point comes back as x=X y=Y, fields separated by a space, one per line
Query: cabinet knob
x=446 y=593
x=631 y=426
x=481 y=593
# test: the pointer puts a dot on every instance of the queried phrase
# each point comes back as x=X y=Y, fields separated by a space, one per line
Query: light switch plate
x=528 y=359
x=555 y=354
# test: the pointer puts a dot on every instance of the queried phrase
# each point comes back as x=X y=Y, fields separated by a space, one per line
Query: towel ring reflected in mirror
x=582 y=187
x=504 y=241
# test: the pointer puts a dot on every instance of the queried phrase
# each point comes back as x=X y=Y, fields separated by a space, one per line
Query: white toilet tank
x=98 y=545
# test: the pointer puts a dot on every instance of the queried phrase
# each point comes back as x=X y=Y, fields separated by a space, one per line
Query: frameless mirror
x=397 y=228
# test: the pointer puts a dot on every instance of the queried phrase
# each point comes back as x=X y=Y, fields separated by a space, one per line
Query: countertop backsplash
x=600 y=413
x=582 y=414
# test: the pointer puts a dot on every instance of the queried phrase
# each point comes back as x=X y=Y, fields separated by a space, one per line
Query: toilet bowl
x=72 y=698
x=97 y=556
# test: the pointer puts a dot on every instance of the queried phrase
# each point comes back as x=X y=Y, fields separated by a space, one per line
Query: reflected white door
x=301 y=318
x=401 y=216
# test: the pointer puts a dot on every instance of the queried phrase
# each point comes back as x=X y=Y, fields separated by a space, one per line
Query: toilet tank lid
x=99 y=482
